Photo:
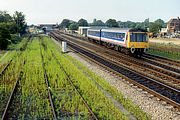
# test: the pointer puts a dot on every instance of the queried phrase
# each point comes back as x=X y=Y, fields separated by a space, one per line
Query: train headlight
x=146 y=49
x=132 y=49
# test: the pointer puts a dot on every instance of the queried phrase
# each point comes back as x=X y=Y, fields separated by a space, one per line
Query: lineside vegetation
x=32 y=102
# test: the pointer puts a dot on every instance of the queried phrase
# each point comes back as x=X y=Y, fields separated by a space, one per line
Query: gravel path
x=157 y=109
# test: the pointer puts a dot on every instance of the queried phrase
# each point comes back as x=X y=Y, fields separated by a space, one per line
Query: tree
x=146 y=23
x=4 y=38
x=73 y=26
x=5 y=17
x=65 y=23
x=111 y=23
x=94 y=20
x=160 y=22
x=10 y=26
x=154 y=27
x=98 y=23
x=139 y=25
x=121 y=24
x=82 y=22
x=19 y=19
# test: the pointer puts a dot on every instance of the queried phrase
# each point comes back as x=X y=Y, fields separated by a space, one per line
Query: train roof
x=97 y=28
x=118 y=29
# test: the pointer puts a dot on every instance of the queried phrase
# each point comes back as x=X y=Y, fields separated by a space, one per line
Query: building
x=173 y=25
x=164 y=31
x=48 y=27
x=83 y=30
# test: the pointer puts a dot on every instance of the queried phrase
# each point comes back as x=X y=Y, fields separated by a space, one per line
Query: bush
x=4 y=38
x=15 y=38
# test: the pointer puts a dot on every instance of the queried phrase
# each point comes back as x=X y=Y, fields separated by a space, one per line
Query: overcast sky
x=53 y=11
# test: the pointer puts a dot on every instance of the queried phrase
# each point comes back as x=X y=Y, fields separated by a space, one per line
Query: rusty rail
x=77 y=91
x=157 y=92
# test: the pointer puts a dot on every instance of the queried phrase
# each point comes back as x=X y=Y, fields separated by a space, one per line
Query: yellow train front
x=130 y=41
x=137 y=42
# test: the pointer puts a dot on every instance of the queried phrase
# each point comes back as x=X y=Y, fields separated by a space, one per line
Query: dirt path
x=165 y=40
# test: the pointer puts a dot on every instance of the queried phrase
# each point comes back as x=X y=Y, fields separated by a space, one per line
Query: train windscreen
x=138 y=37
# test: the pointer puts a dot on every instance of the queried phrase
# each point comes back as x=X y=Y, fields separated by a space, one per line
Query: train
x=127 y=40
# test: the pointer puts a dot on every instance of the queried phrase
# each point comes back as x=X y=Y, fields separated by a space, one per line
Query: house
x=163 y=31
x=173 y=25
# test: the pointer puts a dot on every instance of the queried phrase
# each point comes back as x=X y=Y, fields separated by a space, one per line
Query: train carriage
x=134 y=41
x=94 y=34
x=114 y=36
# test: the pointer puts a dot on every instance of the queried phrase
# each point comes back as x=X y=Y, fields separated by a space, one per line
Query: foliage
x=82 y=22
x=160 y=22
x=170 y=51
x=98 y=23
x=4 y=38
x=128 y=24
x=15 y=38
x=33 y=100
x=111 y=23
x=5 y=17
x=19 y=19
x=65 y=23
x=127 y=103
x=153 y=26
x=11 y=25
x=101 y=105
x=73 y=26
x=156 y=26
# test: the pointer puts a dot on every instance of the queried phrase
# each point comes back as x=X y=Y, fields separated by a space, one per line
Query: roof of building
x=174 y=20
x=84 y=27
x=47 y=25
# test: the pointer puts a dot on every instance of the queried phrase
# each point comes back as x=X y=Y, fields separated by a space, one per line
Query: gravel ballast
x=159 y=110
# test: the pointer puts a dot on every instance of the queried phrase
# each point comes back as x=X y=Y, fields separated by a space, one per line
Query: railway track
x=142 y=67
x=48 y=86
x=8 y=64
x=9 y=104
x=5 y=68
x=69 y=81
x=162 y=59
x=13 y=100
x=14 y=92
x=92 y=114
x=158 y=89
x=165 y=63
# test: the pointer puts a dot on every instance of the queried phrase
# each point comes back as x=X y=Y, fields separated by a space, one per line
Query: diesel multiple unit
x=133 y=41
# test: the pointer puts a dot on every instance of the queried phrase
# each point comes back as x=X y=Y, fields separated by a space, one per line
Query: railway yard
x=89 y=60
x=90 y=81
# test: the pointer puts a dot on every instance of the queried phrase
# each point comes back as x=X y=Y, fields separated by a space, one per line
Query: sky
x=54 y=11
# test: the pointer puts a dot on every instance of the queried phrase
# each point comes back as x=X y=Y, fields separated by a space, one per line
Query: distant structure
x=164 y=31
x=173 y=26
x=32 y=30
x=48 y=27
x=83 y=30
x=172 y=29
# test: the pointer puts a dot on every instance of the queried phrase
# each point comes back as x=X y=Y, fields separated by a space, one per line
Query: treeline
x=153 y=27
x=11 y=27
